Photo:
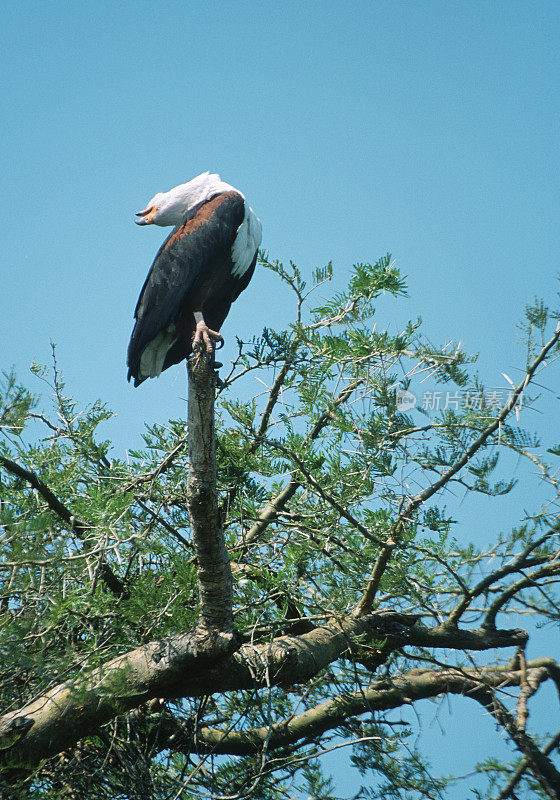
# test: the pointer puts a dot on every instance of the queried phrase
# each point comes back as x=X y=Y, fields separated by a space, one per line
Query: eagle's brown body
x=198 y=271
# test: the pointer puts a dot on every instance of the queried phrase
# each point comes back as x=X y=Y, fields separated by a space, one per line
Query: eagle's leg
x=204 y=337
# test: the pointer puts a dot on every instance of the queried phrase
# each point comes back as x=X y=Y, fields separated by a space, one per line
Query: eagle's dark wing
x=183 y=270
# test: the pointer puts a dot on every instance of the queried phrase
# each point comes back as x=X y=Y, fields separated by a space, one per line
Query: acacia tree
x=169 y=634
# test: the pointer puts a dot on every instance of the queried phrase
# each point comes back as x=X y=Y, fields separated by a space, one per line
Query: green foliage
x=327 y=423
x=537 y=314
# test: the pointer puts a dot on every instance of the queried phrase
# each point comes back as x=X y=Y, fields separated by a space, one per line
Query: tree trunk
x=214 y=572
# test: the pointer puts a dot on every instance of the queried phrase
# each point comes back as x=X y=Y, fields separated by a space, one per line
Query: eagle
x=201 y=268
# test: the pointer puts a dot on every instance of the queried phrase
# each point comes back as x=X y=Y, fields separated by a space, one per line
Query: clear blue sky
x=427 y=129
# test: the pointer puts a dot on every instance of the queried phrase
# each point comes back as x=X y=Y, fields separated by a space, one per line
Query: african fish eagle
x=200 y=269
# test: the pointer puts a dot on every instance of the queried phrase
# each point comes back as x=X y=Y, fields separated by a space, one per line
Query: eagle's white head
x=170 y=208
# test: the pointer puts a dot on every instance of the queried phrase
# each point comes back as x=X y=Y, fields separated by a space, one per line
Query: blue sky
x=429 y=130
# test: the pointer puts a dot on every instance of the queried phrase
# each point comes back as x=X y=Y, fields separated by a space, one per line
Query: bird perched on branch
x=200 y=269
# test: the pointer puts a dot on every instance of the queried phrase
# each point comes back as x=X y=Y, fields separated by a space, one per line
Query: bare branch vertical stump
x=214 y=572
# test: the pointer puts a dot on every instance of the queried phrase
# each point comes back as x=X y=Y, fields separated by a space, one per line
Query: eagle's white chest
x=247 y=242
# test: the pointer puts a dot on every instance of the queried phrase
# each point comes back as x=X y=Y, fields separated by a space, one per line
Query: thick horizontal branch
x=80 y=706
x=329 y=715
x=195 y=664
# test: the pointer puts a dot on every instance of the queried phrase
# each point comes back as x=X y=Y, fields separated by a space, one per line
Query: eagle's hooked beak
x=144 y=216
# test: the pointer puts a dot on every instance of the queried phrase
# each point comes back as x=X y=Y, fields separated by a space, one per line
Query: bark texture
x=214 y=571
x=201 y=663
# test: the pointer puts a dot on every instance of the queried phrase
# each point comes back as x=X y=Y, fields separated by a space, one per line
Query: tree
x=167 y=636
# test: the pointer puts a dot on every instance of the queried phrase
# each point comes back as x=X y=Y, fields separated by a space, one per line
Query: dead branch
x=215 y=582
